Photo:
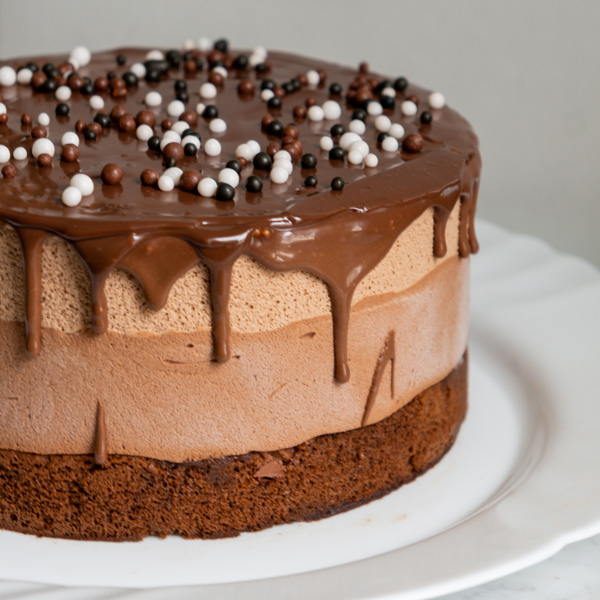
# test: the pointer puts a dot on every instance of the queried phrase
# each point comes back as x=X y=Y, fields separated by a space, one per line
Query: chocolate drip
x=32 y=241
x=100 y=445
x=387 y=354
x=440 y=220
x=338 y=237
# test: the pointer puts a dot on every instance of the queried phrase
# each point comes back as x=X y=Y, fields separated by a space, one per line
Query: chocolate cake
x=234 y=289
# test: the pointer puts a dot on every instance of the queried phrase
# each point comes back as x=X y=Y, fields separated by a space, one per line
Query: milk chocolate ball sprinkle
x=112 y=174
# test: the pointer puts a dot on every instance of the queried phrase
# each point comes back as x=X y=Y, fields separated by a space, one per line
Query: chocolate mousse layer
x=129 y=498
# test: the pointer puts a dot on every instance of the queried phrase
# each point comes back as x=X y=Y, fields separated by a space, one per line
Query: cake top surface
x=333 y=164
x=30 y=194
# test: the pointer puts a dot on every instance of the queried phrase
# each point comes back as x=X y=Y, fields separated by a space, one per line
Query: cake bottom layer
x=129 y=498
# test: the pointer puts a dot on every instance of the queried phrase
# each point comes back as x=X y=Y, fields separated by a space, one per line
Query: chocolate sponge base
x=131 y=497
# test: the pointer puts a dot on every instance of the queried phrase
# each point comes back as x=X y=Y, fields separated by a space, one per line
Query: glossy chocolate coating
x=339 y=236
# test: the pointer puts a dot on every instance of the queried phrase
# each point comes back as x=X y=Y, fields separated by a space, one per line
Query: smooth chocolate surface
x=339 y=236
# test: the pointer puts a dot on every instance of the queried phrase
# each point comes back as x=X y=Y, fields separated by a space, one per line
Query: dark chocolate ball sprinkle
x=180 y=85
x=235 y=165
x=262 y=161
x=337 y=183
x=387 y=101
x=381 y=136
x=426 y=117
x=240 y=62
x=154 y=142
x=170 y=162
x=50 y=85
x=89 y=134
x=225 y=192
x=359 y=114
x=62 y=109
x=254 y=184
x=274 y=103
x=335 y=89
x=309 y=161
x=87 y=89
x=210 y=112
x=311 y=181
x=267 y=84
x=121 y=59
x=275 y=128
x=103 y=119
x=130 y=79
x=183 y=96
x=173 y=57
x=336 y=153
x=337 y=130
x=400 y=84
x=190 y=149
x=222 y=45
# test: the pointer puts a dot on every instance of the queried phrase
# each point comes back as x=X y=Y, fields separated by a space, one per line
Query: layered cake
x=234 y=289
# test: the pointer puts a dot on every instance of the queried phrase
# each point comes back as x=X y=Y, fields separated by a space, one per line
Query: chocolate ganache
x=157 y=236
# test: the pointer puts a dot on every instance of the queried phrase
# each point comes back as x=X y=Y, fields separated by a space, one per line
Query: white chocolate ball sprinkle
x=357 y=126
x=383 y=123
x=396 y=130
x=408 y=108
x=165 y=183
x=153 y=99
x=191 y=139
x=229 y=176
x=144 y=132
x=20 y=153
x=244 y=151
x=44 y=119
x=2 y=108
x=42 y=146
x=389 y=144
x=255 y=147
x=81 y=55
x=138 y=69
x=355 y=157
x=332 y=110
x=174 y=173
x=313 y=77
x=83 y=183
x=371 y=160
x=374 y=108
x=388 y=91
x=282 y=155
x=212 y=147
x=360 y=146
x=179 y=127
x=200 y=107
x=278 y=174
x=24 y=76
x=8 y=76
x=217 y=126
x=204 y=44
x=69 y=137
x=96 y=102
x=208 y=91
x=315 y=113
x=4 y=154
x=71 y=196
x=63 y=93
x=207 y=187
x=266 y=95
x=437 y=100
x=155 y=55
x=175 y=108
x=326 y=143
x=286 y=165
x=348 y=139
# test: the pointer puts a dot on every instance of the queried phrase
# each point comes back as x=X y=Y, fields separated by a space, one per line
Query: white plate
x=522 y=481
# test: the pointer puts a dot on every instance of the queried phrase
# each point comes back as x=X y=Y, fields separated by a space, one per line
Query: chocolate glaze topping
x=338 y=236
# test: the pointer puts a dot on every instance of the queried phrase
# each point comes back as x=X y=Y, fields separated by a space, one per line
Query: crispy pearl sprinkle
x=174 y=107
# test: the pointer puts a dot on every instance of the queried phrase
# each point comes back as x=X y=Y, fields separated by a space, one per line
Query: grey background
x=526 y=73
